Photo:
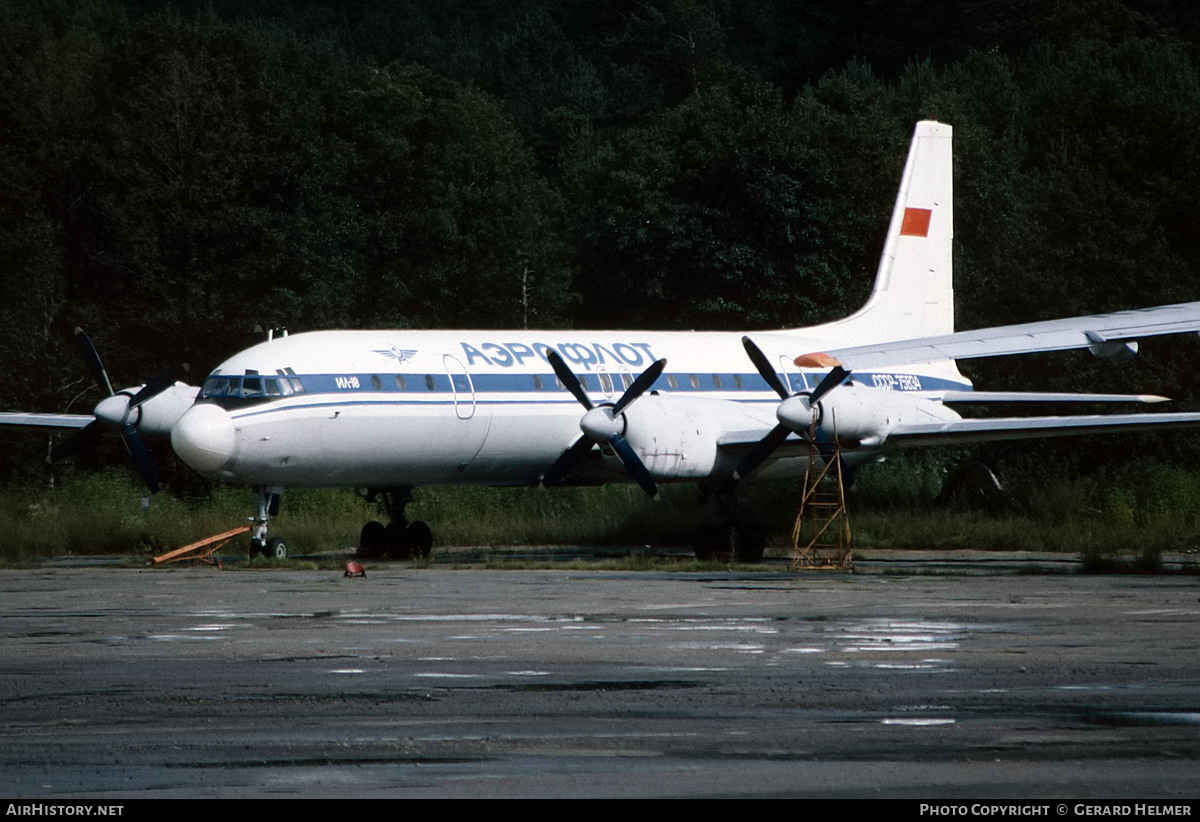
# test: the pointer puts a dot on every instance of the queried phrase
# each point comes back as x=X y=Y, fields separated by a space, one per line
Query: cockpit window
x=252 y=387
x=249 y=388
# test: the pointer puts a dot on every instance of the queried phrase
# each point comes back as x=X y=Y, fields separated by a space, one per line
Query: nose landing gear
x=268 y=506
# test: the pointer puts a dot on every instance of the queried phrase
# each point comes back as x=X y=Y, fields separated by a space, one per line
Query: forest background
x=177 y=177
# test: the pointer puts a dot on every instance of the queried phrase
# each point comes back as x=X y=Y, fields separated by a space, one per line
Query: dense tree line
x=174 y=179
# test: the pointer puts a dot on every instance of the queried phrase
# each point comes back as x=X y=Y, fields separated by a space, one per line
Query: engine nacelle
x=158 y=415
x=676 y=437
x=858 y=415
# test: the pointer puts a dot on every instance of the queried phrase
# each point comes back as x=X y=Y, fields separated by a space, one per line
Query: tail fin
x=914 y=288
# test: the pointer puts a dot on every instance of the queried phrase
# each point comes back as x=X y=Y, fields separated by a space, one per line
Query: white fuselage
x=408 y=408
x=404 y=408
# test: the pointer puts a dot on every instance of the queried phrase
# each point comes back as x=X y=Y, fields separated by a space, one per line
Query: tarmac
x=992 y=677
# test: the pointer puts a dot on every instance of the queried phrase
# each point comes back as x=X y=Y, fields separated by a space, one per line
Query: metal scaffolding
x=821 y=536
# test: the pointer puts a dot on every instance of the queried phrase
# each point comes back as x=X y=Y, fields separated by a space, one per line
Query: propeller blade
x=831 y=381
x=634 y=465
x=140 y=456
x=569 y=459
x=646 y=379
x=79 y=439
x=764 y=368
x=158 y=385
x=114 y=411
x=567 y=377
x=629 y=458
x=91 y=359
x=761 y=451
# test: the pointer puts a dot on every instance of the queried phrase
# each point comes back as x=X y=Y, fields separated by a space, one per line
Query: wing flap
x=980 y=397
x=958 y=432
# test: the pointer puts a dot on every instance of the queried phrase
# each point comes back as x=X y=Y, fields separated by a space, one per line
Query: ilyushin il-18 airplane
x=392 y=410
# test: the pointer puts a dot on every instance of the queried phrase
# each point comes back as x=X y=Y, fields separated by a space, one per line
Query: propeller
x=603 y=424
x=763 y=449
x=119 y=410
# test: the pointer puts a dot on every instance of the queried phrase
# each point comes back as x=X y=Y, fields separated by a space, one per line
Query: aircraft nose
x=204 y=438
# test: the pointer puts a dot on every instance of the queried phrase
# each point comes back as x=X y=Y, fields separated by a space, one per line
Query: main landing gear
x=731 y=537
x=268 y=506
x=399 y=539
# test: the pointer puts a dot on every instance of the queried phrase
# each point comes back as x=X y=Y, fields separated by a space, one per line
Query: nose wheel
x=260 y=545
x=275 y=548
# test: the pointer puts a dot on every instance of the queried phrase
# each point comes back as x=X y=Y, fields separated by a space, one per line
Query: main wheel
x=277 y=548
x=371 y=540
x=395 y=538
x=714 y=542
x=705 y=541
x=750 y=545
x=420 y=538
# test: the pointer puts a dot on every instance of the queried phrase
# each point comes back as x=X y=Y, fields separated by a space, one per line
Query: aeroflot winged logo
x=397 y=354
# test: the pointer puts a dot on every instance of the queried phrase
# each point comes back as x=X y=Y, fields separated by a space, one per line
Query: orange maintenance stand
x=202 y=550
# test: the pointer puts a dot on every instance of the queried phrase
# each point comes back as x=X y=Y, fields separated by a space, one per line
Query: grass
x=1133 y=515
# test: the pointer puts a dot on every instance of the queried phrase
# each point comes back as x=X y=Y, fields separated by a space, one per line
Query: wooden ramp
x=202 y=550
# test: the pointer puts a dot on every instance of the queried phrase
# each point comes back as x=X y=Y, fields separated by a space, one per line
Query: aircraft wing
x=1094 y=332
x=988 y=397
x=958 y=432
x=46 y=421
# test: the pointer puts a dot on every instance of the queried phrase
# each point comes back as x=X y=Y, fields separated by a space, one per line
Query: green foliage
x=1115 y=516
x=175 y=178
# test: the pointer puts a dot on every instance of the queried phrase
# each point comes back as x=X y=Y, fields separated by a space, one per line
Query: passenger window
x=537 y=382
x=695 y=381
x=429 y=383
x=376 y=383
x=400 y=384
x=716 y=378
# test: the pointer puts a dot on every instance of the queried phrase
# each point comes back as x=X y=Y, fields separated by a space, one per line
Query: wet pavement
x=439 y=682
